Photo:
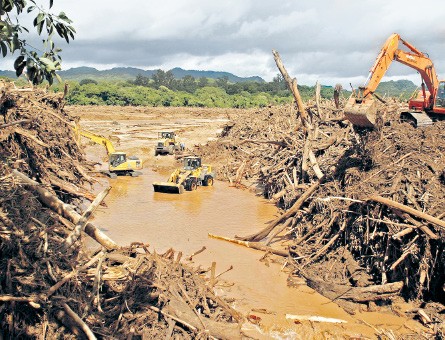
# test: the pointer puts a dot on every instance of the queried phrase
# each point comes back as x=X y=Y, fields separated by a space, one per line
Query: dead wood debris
x=375 y=218
x=49 y=284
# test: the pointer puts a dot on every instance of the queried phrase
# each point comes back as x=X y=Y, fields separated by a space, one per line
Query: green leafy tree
x=162 y=78
x=203 y=82
x=38 y=65
x=223 y=82
x=189 y=84
x=142 y=80
x=87 y=81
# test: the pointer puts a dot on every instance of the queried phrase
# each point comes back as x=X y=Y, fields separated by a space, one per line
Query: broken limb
x=253 y=245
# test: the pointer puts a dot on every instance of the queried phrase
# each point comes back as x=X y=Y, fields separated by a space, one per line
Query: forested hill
x=396 y=88
x=129 y=73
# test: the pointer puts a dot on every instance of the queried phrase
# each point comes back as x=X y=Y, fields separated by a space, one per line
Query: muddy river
x=135 y=213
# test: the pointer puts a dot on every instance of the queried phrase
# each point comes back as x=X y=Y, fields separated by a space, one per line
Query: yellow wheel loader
x=118 y=162
x=168 y=144
x=192 y=175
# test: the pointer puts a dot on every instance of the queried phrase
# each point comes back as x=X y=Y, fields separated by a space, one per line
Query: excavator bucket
x=168 y=187
x=361 y=113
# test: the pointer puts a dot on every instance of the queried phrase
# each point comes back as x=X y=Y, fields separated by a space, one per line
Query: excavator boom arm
x=361 y=109
x=414 y=59
x=99 y=140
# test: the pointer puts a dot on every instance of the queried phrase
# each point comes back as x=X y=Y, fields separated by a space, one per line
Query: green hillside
x=128 y=73
x=400 y=88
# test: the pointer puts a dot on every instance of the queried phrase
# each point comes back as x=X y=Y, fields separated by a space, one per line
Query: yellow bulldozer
x=168 y=143
x=189 y=177
x=118 y=162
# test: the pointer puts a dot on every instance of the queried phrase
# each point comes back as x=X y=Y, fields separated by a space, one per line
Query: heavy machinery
x=187 y=178
x=429 y=105
x=118 y=162
x=167 y=143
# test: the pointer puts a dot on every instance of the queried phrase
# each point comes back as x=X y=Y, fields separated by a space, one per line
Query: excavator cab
x=117 y=159
x=440 y=97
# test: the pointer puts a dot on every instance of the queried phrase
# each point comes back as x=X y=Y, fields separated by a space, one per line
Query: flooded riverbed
x=135 y=212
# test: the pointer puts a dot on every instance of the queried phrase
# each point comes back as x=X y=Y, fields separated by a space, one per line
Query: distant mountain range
x=127 y=73
x=388 y=88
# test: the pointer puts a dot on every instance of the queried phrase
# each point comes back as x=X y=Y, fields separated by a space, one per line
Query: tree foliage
x=38 y=65
x=122 y=93
x=88 y=81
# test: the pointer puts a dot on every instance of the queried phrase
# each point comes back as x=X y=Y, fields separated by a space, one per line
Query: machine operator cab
x=117 y=159
x=440 y=97
x=166 y=135
x=192 y=163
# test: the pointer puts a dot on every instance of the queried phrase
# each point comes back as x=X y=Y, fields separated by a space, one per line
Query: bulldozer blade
x=361 y=114
x=168 y=188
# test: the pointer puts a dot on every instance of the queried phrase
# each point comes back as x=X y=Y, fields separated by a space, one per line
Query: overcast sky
x=326 y=40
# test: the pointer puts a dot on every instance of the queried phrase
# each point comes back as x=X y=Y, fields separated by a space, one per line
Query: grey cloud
x=324 y=39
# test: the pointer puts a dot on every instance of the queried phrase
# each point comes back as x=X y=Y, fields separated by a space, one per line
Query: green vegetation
x=39 y=65
x=402 y=89
x=163 y=89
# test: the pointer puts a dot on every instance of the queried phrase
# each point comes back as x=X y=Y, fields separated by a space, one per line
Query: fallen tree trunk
x=65 y=210
x=253 y=245
x=75 y=234
x=356 y=294
x=293 y=210
x=407 y=209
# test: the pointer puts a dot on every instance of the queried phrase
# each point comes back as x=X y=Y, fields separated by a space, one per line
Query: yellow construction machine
x=187 y=178
x=168 y=143
x=118 y=162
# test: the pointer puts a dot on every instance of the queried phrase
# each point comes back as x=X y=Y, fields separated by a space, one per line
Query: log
x=409 y=210
x=32 y=301
x=357 y=294
x=291 y=211
x=196 y=253
x=66 y=210
x=17 y=122
x=253 y=245
x=313 y=318
x=318 y=98
x=278 y=230
x=80 y=323
x=292 y=84
x=74 y=235
x=70 y=188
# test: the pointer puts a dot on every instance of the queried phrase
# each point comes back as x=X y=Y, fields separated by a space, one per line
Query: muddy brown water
x=135 y=212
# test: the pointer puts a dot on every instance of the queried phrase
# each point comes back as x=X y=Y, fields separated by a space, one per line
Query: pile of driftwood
x=51 y=286
x=363 y=208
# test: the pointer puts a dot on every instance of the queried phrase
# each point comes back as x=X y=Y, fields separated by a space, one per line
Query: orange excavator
x=429 y=105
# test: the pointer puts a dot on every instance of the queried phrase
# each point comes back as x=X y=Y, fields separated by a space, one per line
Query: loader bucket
x=361 y=113
x=168 y=187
